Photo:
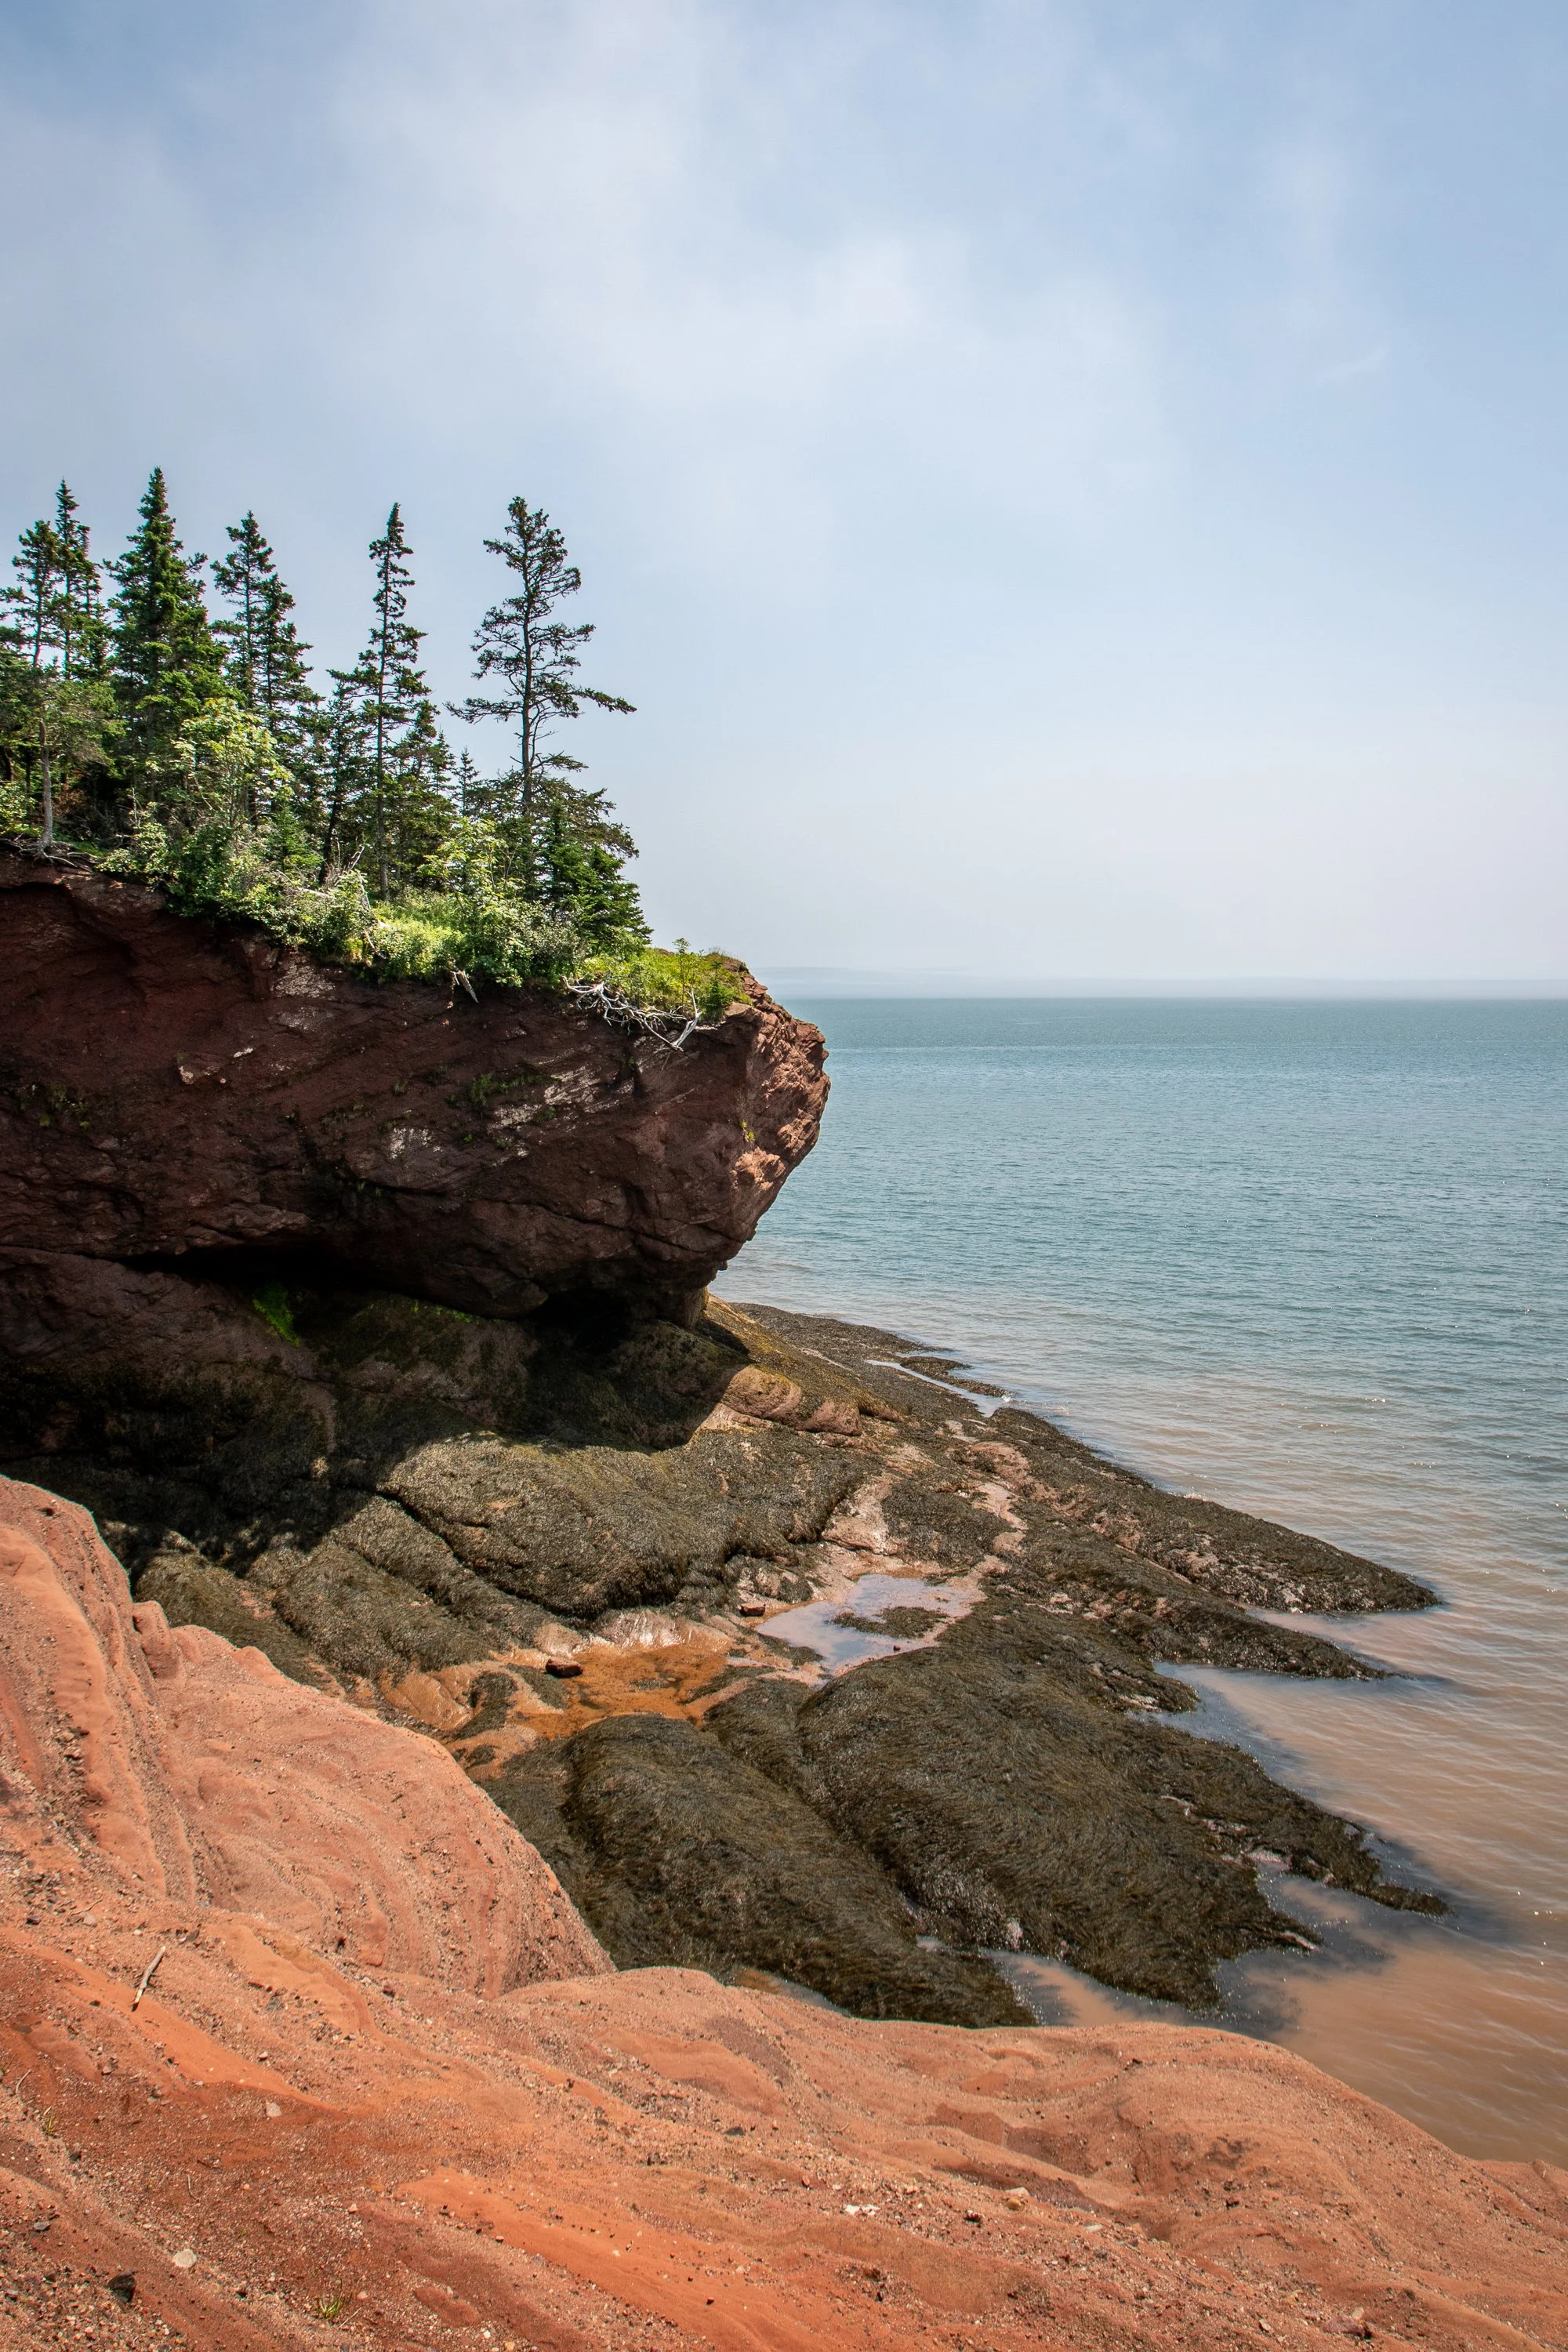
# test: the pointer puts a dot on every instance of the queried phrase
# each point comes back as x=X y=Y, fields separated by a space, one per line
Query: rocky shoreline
x=569 y=1581
x=301 y=2045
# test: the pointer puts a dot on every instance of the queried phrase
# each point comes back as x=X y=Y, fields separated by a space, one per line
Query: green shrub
x=477 y=925
x=700 y=986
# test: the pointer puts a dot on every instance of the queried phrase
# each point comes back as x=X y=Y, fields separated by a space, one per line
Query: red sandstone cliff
x=175 y=1092
x=182 y=1771
x=356 y=2103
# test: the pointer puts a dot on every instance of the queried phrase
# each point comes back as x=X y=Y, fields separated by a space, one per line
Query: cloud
x=623 y=217
x=934 y=396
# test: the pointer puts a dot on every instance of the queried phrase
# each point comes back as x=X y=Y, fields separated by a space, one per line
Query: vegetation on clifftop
x=196 y=752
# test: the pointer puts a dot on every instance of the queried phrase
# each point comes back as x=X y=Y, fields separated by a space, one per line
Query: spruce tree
x=533 y=657
x=79 y=604
x=391 y=688
x=564 y=843
x=266 y=667
x=16 y=742
x=287 y=697
x=34 y=599
x=421 y=803
x=166 y=663
x=244 y=578
x=582 y=877
x=340 y=768
x=54 y=723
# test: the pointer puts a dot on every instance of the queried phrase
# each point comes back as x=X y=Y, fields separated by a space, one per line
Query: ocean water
x=1312 y=1259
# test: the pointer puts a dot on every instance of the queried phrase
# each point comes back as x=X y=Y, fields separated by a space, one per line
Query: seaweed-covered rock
x=599 y=1527
x=1018 y=1812
x=676 y=1850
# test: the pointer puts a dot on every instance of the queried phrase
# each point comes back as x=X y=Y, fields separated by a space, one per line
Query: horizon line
x=848 y=979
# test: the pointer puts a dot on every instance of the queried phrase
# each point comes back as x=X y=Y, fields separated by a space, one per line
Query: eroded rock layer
x=183 y=1770
x=174 y=1092
x=235 y=2114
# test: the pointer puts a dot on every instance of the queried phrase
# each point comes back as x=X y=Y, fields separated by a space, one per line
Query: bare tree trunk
x=47 y=838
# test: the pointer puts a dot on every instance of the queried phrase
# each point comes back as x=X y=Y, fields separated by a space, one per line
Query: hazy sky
x=1073 y=489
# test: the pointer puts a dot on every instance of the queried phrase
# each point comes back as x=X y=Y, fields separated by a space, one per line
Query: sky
x=1074 y=487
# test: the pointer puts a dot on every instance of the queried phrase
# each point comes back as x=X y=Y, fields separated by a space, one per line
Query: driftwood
x=671 y=1029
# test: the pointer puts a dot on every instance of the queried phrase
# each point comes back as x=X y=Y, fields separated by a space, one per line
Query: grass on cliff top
x=482 y=930
x=433 y=937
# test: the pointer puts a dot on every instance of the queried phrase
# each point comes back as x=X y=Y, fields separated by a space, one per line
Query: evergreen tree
x=167 y=665
x=465 y=785
x=266 y=667
x=341 y=765
x=533 y=657
x=287 y=697
x=243 y=578
x=582 y=877
x=73 y=724
x=79 y=625
x=420 y=805
x=391 y=688
x=564 y=844
x=34 y=599
x=15 y=733
x=53 y=723
x=34 y=606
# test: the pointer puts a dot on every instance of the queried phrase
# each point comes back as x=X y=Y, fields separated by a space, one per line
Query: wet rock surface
x=681 y=1851
x=434 y=1514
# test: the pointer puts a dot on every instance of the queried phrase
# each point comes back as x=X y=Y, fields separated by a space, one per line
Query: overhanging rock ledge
x=189 y=1096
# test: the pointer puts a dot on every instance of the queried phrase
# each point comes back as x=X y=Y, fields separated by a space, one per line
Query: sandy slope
x=381 y=2088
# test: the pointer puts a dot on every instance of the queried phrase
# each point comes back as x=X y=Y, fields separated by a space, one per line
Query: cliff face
x=185 y=1095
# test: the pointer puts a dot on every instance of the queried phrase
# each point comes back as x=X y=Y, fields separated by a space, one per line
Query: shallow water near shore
x=866 y=1624
x=1309 y=1259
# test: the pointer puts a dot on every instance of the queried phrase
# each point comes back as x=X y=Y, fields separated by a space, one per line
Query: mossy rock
x=680 y=1852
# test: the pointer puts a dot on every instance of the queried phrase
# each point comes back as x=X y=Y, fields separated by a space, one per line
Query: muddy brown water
x=1311 y=1261
x=1459 y=2022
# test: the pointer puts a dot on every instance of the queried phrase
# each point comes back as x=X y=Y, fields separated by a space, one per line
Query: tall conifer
x=532 y=655
x=266 y=667
x=421 y=805
x=392 y=687
x=80 y=624
x=243 y=578
x=166 y=663
x=287 y=697
x=56 y=710
x=563 y=838
x=35 y=598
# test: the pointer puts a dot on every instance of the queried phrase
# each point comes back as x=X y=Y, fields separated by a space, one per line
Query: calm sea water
x=1312 y=1259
